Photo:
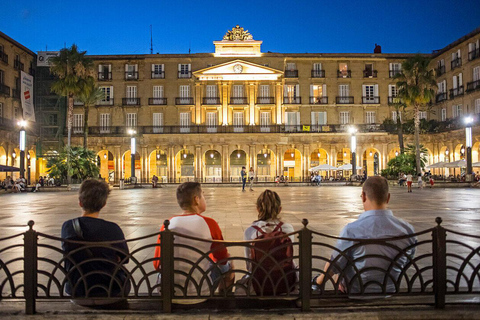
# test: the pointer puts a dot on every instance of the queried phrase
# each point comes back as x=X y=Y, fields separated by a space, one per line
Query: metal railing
x=393 y=73
x=318 y=73
x=4 y=89
x=18 y=65
x=344 y=100
x=3 y=57
x=456 y=63
x=429 y=266
x=16 y=93
x=441 y=97
x=183 y=101
x=292 y=100
x=131 y=75
x=265 y=100
x=370 y=100
x=456 y=92
x=158 y=75
x=440 y=70
x=474 y=54
x=369 y=73
x=291 y=73
x=211 y=100
x=238 y=100
x=474 y=85
x=184 y=74
x=319 y=100
x=108 y=102
x=131 y=101
x=344 y=73
x=105 y=76
x=157 y=101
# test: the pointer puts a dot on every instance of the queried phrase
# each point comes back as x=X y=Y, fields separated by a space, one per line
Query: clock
x=237 y=68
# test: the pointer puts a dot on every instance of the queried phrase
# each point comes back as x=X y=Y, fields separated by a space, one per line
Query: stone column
x=225 y=164
x=251 y=157
x=198 y=163
x=171 y=170
x=198 y=103
x=251 y=102
x=224 y=93
x=118 y=164
x=278 y=102
x=279 y=160
x=306 y=161
x=145 y=173
x=384 y=157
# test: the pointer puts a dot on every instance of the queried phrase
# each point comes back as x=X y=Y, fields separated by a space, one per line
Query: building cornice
x=17 y=44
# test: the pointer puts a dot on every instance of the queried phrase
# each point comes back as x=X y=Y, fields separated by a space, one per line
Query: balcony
x=265 y=100
x=158 y=74
x=474 y=54
x=131 y=75
x=157 y=101
x=394 y=100
x=16 y=93
x=5 y=90
x=474 y=85
x=456 y=92
x=369 y=73
x=344 y=73
x=344 y=100
x=441 y=97
x=318 y=100
x=184 y=101
x=17 y=65
x=318 y=73
x=238 y=100
x=184 y=74
x=131 y=101
x=77 y=102
x=107 y=102
x=106 y=76
x=456 y=63
x=211 y=100
x=292 y=100
x=370 y=100
x=4 y=57
x=440 y=70
x=393 y=73
x=291 y=73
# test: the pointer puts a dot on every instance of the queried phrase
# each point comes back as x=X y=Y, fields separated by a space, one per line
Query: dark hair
x=376 y=189
x=93 y=195
x=268 y=205
x=186 y=192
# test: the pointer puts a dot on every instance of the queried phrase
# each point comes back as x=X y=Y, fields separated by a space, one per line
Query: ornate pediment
x=238 y=70
x=237 y=34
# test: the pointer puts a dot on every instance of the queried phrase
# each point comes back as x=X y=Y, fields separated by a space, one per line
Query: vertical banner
x=26 y=95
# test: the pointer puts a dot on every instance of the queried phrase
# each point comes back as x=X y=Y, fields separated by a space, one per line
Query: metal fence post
x=305 y=260
x=30 y=268
x=166 y=261
x=439 y=264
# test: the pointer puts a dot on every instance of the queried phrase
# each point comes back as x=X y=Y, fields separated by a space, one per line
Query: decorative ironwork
x=237 y=34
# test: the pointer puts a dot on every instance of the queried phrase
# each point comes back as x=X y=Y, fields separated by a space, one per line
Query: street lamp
x=22 y=125
x=468 y=144
x=132 y=152
x=353 y=147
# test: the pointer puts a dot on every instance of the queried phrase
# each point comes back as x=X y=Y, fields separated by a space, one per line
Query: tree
x=82 y=165
x=399 y=108
x=75 y=76
x=405 y=163
x=416 y=84
x=89 y=98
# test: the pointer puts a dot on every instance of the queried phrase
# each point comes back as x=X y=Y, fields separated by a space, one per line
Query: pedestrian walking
x=409 y=182
x=243 y=174
x=251 y=177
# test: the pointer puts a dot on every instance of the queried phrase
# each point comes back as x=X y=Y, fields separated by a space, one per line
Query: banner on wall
x=43 y=57
x=26 y=95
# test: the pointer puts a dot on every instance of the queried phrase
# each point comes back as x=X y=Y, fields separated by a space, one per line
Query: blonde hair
x=268 y=205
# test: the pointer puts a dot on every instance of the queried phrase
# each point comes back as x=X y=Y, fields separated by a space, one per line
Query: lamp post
x=468 y=145
x=132 y=152
x=22 y=125
x=353 y=147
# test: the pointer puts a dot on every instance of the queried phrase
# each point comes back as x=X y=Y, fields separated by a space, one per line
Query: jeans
x=244 y=182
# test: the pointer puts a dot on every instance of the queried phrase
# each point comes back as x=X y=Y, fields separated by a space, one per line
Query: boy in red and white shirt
x=191 y=223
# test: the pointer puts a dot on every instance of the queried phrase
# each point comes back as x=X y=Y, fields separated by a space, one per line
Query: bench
x=443 y=271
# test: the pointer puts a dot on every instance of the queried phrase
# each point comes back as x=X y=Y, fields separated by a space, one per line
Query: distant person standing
x=243 y=174
x=420 y=181
x=251 y=177
x=409 y=182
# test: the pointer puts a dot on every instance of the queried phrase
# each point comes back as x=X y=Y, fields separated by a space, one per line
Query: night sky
x=123 y=27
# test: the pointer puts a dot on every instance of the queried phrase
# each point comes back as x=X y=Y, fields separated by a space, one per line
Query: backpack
x=273 y=271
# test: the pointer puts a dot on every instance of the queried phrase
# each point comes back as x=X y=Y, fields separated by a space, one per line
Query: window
x=394 y=116
x=2 y=77
x=107 y=98
x=104 y=72
x=318 y=119
x=264 y=91
x=238 y=91
x=52 y=119
x=442 y=86
x=184 y=122
x=317 y=71
x=131 y=71
x=368 y=72
x=370 y=93
x=158 y=71
x=370 y=117
x=473 y=50
x=342 y=70
x=105 y=123
x=457 y=110
x=291 y=93
x=477 y=106
x=444 y=114
x=16 y=113
x=422 y=115
x=132 y=95
x=265 y=121
x=185 y=95
x=77 y=123
x=238 y=122
x=344 y=92
x=393 y=94
x=131 y=120
x=291 y=66
x=318 y=94
x=212 y=122
x=440 y=67
x=184 y=70
x=456 y=59
x=317 y=66
x=157 y=91
x=212 y=91
x=157 y=122
x=394 y=69
x=344 y=117
x=476 y=73
x=292 y=121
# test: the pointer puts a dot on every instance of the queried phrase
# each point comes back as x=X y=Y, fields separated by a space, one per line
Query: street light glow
x=22 y=123
x=352 y=129
x=468 y=120
x=131 y=131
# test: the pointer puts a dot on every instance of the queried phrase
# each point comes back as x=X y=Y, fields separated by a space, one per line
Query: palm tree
x=89 y=98
x=399 y=108
x=416 y=84
x=75 y=76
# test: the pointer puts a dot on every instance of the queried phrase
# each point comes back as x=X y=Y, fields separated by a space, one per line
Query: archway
x=31 y=167
x=265 y=165
x=158 y=165
x=371 y=162
x=318 y=157
x=3 y=161
x=238 y=159
x=184 y=165
x=475 y=152
x=127 y=165
x=344 y=156
x=393 y=153
x=459 y=152
x=212 y=160
x=106 y=163
x=444 y=156
x=292 y=165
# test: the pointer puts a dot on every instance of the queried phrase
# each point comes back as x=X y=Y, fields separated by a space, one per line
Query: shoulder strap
x=77 y=228
x=278 y=227
x=259 y=229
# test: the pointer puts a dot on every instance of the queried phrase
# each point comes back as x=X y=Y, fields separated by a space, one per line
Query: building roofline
x=3 y=35
x=436 y=53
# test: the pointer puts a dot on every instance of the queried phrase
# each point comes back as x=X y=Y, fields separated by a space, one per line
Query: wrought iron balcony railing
x=319 y=100
x=344 y=73
x=474 y=54
x=131 y=75
x=184 y=74
x=211 y=100
x=238 y=100
x=265 y=100
x=18 y=65
x=474 y=85
x=393 y=73
x=369 y=73
x=456 y=92
x=158 y=75
x=318 y=73
x=3 y=57
x=5 y=90
x=394 y=100
x=107 y=102
x=344 y=100
x=131 y=101
x=441 y=96
x=105 y=76
x=440 y=70
x=291 y=73
x=456 y=63
x=292 y=100
x=157 y=101
x=183 y=101
x=370 y=100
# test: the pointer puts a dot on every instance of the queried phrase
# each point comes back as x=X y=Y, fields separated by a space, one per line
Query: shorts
x=409 y=183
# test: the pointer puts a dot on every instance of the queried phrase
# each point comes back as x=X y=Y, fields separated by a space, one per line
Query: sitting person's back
x=94 y=277
x=367 y=266
x=191 y=223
